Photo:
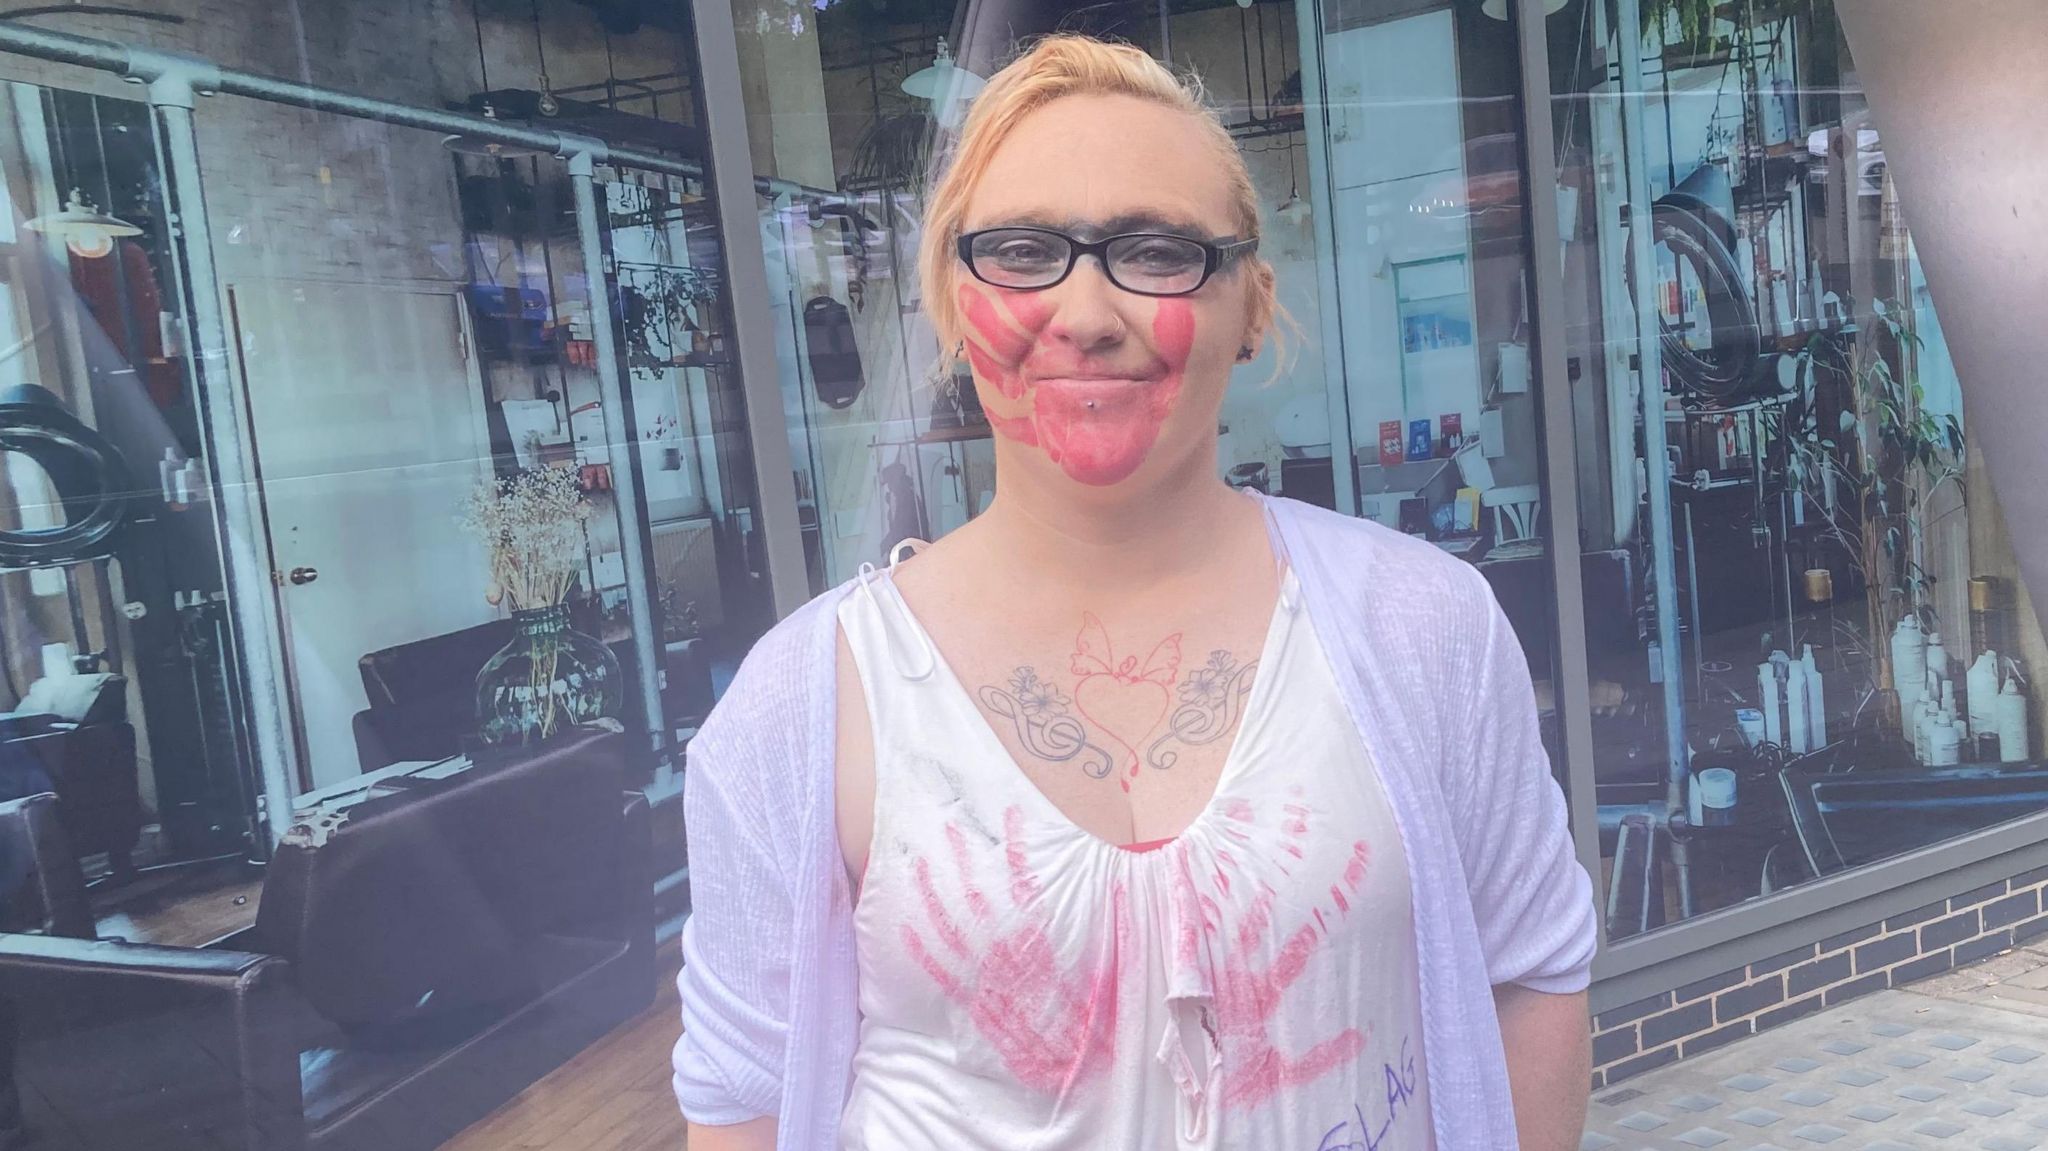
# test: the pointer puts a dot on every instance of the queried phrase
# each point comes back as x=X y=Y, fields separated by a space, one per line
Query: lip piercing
x=1090 y=404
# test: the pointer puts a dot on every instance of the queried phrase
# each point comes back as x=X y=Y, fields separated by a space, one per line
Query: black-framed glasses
x=1147 y=263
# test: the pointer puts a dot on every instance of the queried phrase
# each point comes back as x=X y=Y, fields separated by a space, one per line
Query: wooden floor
x=614 y=1096
x=189 y=906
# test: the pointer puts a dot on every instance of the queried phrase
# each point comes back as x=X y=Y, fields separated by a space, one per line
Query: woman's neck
x=1131 y=536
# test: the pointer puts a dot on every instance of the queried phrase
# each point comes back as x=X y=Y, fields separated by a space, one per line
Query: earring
x=1245 y=354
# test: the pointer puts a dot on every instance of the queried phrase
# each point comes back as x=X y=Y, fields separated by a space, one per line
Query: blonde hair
x=1067 y=64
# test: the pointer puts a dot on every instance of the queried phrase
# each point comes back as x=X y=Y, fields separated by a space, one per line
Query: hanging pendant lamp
x=86 y=230
x=1498 y=9
x=943 y=82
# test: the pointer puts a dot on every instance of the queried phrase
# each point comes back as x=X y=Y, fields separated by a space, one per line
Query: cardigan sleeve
x=1532 y=899
x=735 y=981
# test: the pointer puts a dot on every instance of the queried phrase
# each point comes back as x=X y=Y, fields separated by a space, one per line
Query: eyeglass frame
x=1216 y=255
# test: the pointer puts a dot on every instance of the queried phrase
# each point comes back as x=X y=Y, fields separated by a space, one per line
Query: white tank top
x=1027 y=986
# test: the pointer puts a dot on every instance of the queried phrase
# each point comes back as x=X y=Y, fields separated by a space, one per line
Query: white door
x=369 y=430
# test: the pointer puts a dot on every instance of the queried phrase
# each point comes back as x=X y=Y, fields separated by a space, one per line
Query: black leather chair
x=420 y=955
x=423 y=695
x=76 y=729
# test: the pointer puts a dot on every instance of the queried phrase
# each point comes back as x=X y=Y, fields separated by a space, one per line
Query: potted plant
x=1869 y=462
x=550 y=676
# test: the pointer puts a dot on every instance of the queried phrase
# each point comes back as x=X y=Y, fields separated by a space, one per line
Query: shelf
x=966 y=434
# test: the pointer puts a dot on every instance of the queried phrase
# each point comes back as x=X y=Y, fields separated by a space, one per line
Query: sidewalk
x=1956 y=1061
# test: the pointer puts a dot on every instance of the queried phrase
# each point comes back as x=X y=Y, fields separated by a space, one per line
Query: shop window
x=1810 y=649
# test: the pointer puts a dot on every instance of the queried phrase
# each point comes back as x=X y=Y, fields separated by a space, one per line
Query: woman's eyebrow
x=1143 y=221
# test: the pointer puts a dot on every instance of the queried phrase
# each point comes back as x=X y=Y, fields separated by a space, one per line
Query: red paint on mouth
x=1099 y=432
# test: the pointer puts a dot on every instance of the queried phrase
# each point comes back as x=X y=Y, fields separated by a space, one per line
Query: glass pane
x=1383 y=144
x=386 y=727
x=1801 y=605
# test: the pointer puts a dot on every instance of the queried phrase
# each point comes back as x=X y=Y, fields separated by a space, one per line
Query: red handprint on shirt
x=1247 y=995
x=1052 y=1026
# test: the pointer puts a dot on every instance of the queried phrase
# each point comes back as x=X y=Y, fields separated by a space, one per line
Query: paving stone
x=1808 y=1097
x=1895 y=1070
x=1594 y=1141
x=1989 y=1108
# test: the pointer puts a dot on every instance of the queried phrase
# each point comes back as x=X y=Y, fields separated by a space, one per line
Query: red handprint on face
x=1053 y=1027
x=1247 y=996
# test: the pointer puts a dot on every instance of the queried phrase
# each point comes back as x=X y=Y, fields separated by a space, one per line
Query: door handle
x=300 y=577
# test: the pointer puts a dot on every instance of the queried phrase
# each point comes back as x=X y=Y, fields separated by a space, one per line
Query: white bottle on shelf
x=1981 y=692
x=1767 y=698
x=1816 y=702
x=2012 y=724
x=1937 y=655
x=1909 y=663
x=1944 y=743
x=1795 y=709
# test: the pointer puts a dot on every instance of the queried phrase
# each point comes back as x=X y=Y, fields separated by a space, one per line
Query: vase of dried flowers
x=550 y=677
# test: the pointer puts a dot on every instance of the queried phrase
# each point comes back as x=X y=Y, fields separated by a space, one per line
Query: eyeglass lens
x=1024 y=258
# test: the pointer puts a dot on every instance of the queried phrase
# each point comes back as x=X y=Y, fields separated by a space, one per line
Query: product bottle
x=1816 y=702
x=1909 y=663
x=1981 y=692
x=1943 y=742
x=2012 y=724
x=1795 y=709
x=1937 y=655
x=1767 y=695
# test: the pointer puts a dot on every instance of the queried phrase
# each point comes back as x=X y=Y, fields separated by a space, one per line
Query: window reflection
x=1815 y=675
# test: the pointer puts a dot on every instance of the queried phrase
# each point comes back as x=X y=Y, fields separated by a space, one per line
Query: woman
x=1105 y=821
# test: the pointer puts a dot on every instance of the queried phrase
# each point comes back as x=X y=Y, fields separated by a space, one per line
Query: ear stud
x=1245 y=354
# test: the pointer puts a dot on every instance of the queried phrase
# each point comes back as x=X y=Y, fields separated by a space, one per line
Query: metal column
x=238 y=499
x=626 y=478
x=1547 y=305
x=1657 y=467
x=753 y=315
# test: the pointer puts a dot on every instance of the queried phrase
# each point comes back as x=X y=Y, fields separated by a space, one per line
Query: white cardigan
x=1434 y=680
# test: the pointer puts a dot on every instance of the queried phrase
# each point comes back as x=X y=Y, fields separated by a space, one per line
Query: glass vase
x=549 y=679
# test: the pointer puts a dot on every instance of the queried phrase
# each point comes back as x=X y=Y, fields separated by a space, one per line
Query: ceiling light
x=85 y=230
x=1498 y=9
x=943 y=82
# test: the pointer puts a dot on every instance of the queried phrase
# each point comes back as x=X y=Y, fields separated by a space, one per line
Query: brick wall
x=1650 y=1033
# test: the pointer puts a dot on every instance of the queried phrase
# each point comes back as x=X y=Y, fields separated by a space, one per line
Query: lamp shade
x=1498 y=9
x=943 y=82
x=83 y=228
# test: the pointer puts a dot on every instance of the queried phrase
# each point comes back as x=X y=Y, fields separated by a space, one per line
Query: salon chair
x=423 y=695
x=76 y=729
x=424 y=950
